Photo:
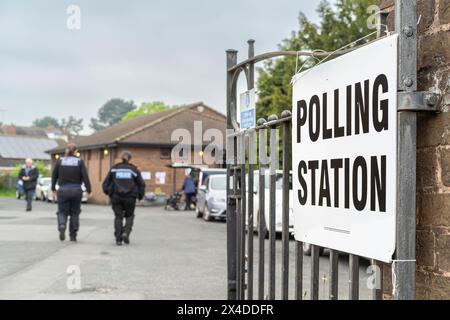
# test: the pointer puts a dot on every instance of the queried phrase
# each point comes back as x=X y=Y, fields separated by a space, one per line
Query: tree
x=145 y=109
x=340 y=25
x=46 y=122
x=111 y=113
x=44 y=169
x=72 y=125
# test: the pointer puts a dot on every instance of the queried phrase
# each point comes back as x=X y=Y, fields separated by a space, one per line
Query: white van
x=278 y=201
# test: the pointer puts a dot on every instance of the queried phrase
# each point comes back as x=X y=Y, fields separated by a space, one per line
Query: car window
x=45 y=181
x=219 y=183
x=206 y=182
x=204 y=176
x=278 y=183
x=213 y=172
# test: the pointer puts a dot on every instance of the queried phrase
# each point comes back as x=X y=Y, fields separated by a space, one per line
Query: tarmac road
x=172 y=255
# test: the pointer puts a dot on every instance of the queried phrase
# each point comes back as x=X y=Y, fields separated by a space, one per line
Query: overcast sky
x=141 y=50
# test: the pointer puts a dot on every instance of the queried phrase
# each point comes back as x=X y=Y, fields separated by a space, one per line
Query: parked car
x=211 y=198
x=200 y=174
x=278 y=206
x=42 y=188
x=52 y=196
x=278 y=202
x=20 y=192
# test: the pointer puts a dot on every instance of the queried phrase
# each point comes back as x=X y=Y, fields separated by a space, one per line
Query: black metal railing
x=241 y=194
x=241 y=208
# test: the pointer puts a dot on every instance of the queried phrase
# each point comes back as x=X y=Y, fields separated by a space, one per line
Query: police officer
x=70 y=173
x=29 y=175
x=124 y=184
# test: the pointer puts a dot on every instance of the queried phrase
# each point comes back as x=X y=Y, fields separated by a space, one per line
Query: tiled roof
x=155 y=128
x=22 y=147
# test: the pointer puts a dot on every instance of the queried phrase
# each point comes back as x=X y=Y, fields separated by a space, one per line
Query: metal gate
x=241 y=215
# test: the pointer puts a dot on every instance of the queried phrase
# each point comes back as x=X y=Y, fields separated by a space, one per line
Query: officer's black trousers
x=123 y=209
x=69 y=204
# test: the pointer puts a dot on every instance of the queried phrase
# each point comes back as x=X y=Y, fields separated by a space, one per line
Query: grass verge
x=7 y=193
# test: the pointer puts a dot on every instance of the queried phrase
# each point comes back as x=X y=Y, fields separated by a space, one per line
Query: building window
x=165 y=153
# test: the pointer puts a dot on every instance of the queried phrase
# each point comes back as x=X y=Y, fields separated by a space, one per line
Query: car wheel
x=307 y=249
x=206 y=215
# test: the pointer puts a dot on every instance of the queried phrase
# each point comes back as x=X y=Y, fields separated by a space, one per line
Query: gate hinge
x=418 y=101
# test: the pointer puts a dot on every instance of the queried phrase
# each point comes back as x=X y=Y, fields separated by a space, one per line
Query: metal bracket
x=421 y=101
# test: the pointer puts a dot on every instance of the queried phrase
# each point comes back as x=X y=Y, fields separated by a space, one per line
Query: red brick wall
x=150 y=160
x=145 y=158
x=98 y=165
x=433 y=152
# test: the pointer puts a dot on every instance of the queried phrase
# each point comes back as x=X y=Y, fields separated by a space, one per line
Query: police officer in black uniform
x=124 y=184
x=70 y=173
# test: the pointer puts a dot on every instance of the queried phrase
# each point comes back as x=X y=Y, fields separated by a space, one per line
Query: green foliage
x=42 y=167
x=146 y=109
x=72 y=125
x=339 y=25
x=7 y=192
x=7 y=181
x=46 y=122
x=111 y=113
x=16 y=169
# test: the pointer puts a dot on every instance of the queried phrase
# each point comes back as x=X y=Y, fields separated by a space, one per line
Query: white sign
x=160 y=177
x=248 y=109
x=344 y=147
x=146 y=175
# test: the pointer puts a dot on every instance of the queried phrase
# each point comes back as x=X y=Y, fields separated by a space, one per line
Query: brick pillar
x=433 y=152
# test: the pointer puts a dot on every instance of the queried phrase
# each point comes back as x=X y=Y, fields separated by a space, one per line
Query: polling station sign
x=344 y=147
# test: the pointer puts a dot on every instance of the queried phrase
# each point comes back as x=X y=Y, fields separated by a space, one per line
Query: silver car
x=211 y=198
x=43 y=188
x=53 y=196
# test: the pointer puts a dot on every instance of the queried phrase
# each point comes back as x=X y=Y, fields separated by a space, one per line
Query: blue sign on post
x=248 y=110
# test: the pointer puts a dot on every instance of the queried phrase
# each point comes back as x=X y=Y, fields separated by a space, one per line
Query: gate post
x=231 y=202
x=404 y=267
x=250 y=203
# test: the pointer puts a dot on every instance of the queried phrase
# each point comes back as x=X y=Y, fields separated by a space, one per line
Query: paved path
x=172 y=255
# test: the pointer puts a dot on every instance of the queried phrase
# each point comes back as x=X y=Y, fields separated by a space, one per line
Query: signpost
x=248 y=109
x=344 y=147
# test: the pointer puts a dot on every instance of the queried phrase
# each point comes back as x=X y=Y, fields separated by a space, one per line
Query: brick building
x=149 y=140
x=433 y=152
